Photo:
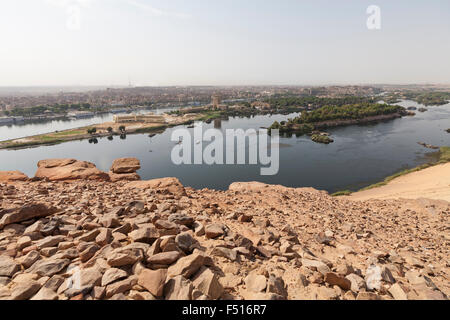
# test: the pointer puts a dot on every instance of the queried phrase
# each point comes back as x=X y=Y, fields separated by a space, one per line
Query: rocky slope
x=74 y=232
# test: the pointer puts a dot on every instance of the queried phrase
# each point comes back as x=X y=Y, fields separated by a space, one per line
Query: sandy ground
x=431 y=183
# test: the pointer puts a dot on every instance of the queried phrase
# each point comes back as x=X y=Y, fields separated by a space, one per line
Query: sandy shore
x=431 y=183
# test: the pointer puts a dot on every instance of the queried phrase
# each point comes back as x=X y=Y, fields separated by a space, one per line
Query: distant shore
x=81 y=133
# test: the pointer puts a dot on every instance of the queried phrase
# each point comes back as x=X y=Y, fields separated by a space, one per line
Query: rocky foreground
x=74 y=232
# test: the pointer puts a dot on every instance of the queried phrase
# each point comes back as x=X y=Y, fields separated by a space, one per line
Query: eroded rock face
x=85 y=239
x=11 y=176
x=125 y=165
x=69 y=169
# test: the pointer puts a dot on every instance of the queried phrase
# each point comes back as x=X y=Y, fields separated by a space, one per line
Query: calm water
x=26 y=129
x=360 y=155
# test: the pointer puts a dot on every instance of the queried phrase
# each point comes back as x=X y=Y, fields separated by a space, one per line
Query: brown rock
x=25 y=290
x=208 y=283
x=120 y=287
x=367 y=296
x=276 y=285
x=165 y=185
x=145 y=235
x=69 y=169
x=112 y=275
x=11 y=176
x=178 y=288
x=125 y=165
x=164 y=258
x=397 y=292
x=337 y=280
x=153 y=281
x=8 y=267
x=114 y=177
x=186 y=266
x=357 y=283
x=214 y=230
x=255 y=282
x=104 y=237
x=27 y=212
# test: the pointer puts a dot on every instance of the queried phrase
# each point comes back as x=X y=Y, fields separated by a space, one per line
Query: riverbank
x=81 y=133
x=430 y=180
x=430 y=183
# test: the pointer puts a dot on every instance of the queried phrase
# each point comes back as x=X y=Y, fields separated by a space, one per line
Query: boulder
x=49 y=267
x=125 y=165
x=187 y=266
x=336 y=280
x=208 y=283
x=178 y=288
x=277 y=286
x=145 y=235
x=111 y=275
x=69 y=169
x=114 y=177
x=8 y=267
x=11 y=176
x=25 y=290
x=164 y=258
x=255 y=282
x=214 y=230
x=397 y=292
x=27 y=212
x=153 y=281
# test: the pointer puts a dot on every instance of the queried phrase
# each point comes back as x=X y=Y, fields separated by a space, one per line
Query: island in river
x=335 y=116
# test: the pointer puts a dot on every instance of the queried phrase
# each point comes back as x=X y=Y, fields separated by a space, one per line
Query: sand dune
x=431 y=183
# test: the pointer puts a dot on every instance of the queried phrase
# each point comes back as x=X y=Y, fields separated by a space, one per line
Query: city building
x=145 y=118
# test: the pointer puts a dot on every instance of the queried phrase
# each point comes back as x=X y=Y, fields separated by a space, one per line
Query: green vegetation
x=151 y=129
x=315 y=102
x=122 y=128
x=67 y=133
x=210 y=115
x=92 y=130
x=342 y=193
x=354 y=111
x=444 y=157
x=321 y=139
x=305 y=123
x=109 y=129
x=430 y=98
x=20 y=145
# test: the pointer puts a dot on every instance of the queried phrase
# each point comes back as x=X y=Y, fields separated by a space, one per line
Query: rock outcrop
x=6 y=176
x=125 y=165
x=146 y=240
x=69 y=169
x=124 y=169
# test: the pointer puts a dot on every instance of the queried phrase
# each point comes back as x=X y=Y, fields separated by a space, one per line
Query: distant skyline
x=211 y=42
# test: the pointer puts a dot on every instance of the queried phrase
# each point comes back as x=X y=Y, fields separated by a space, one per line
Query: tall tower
x=216 y=100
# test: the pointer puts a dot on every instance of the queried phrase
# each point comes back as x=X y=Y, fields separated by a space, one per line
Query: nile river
x=360 y=155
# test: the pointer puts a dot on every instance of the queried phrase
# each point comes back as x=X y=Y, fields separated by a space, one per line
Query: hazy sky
x=226 y=42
